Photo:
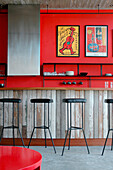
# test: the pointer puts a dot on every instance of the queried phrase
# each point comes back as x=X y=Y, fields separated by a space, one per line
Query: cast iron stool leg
x=84 y=132
x=105 y=142
x=52 y=140
x=86 y=141
x=65 y=142
x=50 y=131
x=69 y=139
x=33 y=128
x=13 y=137
x=1 y=134
x=21 y=138
x=45 y=127
x=45 y=137
x=70 y=128
x=31 y=137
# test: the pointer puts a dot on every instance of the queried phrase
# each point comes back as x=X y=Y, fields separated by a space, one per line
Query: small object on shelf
x=69 y=73
x=73 y=82
x=64 y=82
x=68 y=82
x=61 y=74
x=83 y=74
x=1 y=85
x=80 y=82
x=108 y=74
x=50 y=73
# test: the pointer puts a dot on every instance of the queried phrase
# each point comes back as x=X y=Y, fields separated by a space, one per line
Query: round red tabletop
x=18 y=158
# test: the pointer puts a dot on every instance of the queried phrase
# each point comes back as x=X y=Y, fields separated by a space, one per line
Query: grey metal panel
x=23 y=39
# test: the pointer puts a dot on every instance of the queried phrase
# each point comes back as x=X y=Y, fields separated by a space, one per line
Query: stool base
x=43 y=127
x=12 y=127
x=73 y=128
x=106 y=141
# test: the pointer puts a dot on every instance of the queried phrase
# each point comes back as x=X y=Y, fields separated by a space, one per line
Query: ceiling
x=65 y=4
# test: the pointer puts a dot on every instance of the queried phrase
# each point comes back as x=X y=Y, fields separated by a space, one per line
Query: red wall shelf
x=77 y=80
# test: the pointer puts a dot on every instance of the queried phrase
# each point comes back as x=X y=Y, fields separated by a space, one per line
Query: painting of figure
x=68 y=40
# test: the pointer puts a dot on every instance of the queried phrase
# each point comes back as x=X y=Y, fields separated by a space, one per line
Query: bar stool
x=109 y=129
x=45 y=101
x=69 y=101
x=12 y=101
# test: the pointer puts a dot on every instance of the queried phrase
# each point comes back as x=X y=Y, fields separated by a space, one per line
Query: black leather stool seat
x=74 y=100
x=108 y=100
x=41 y=100
x=10 y=100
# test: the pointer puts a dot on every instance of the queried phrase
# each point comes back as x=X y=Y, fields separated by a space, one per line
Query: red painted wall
x=48 y=23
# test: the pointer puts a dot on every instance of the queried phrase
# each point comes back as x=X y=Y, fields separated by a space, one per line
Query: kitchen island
x=95 y=112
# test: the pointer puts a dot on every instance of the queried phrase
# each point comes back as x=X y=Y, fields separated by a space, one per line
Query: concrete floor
x=76 y=158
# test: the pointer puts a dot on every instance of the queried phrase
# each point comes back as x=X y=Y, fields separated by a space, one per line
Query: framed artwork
x=68 y=40
x=96 y=41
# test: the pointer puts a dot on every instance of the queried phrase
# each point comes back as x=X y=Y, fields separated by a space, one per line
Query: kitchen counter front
x=95 y=111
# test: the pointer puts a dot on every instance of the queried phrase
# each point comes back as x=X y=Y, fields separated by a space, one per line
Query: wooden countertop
x=54 y=88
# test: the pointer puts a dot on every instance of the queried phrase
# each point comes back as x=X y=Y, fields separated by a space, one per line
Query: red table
x=18 y=158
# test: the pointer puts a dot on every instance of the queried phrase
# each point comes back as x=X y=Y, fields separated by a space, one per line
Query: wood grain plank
x=20 y=95
x=10 y=107
x=24 y=114
x=100 y=129
x=105 y=115
x=32 y=113
x=86 y=115
x=53 y=113
x=89 y=114
x=49 y=95
x=29 y=114
x=58 y=114
x=6 y=113
x=96 y=114
x=72 y=95
x=24 y=102
x=65 y=106
x=109 y=97
x=72 y=4
x=43 y=96
x=80 y=117
x=39 y=114
x=62 y=115
x=77 y=114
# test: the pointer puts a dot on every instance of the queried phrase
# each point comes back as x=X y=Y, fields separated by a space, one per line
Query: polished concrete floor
x=76 y=158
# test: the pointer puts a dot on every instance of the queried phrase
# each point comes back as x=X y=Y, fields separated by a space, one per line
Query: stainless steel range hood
x=23 y=39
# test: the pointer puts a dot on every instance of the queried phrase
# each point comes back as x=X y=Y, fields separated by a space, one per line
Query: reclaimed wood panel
x=95 y=112
x=77 y=114
x=10 y=114
x=62 y=115
x=6 y=113
x=58 y=114
x=95 y=115
x=24 y=114
x=65 y=4
x=39 y=114
x=53 y=114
